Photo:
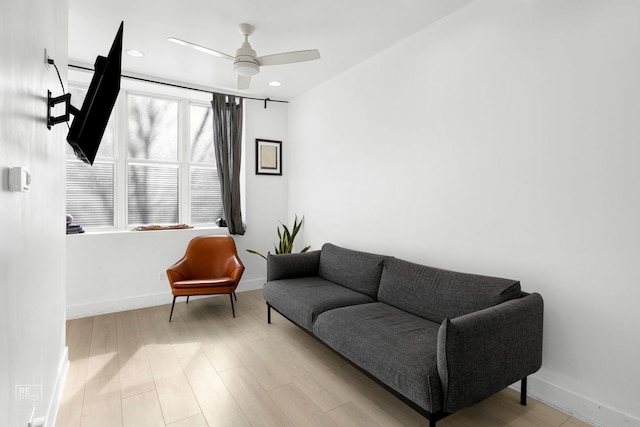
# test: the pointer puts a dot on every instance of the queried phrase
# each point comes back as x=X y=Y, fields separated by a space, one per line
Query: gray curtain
x=227 y=140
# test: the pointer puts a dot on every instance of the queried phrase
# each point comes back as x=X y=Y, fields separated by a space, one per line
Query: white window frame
x=185 y=98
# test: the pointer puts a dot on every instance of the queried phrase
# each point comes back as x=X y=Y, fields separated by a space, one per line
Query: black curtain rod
x=79 y=67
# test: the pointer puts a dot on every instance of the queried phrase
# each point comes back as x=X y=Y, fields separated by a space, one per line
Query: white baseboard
x=56 y=398
x=579 y=407
x=251 y=285
x=141 y=301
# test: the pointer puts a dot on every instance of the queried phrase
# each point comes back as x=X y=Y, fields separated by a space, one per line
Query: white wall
x=502 y=140
x=32 y=244
x=109 y=272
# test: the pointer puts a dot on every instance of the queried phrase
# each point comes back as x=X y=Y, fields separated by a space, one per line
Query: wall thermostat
x=19 y=179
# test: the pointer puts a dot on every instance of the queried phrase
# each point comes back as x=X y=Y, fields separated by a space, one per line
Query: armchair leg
x=523 y=391
x=172 y=305
x=187 y=299
x=268 y=313
x=235 y=296
x=233 y=311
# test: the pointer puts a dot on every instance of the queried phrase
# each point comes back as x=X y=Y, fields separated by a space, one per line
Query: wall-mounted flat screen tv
x=90 y=122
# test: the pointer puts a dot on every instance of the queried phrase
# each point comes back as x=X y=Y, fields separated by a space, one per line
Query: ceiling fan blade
x=244 y=82
x=200 y=48
x=289 y=57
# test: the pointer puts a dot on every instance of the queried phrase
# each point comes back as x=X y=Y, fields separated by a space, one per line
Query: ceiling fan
x=245 y=62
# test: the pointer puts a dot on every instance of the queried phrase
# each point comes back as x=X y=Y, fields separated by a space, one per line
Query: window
x=90 y=195
x=156 y=165
x=152 y=169
x=206 y=195
x=91 y=190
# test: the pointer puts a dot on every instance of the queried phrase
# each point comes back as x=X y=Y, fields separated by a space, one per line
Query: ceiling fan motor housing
x=245 y=62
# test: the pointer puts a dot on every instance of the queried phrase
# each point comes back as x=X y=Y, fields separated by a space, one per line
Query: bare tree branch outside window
x=153 y=139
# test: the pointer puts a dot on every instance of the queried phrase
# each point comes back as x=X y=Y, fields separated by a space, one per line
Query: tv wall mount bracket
x=68 y=109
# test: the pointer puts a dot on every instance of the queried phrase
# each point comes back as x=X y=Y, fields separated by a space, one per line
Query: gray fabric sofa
x=439 y=340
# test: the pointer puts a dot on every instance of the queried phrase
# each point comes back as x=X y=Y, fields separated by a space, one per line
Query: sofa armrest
x=288 y=266
x=483 y=352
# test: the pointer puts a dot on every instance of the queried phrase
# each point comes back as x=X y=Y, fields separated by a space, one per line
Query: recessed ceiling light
x=135 y=53
x=275 y=84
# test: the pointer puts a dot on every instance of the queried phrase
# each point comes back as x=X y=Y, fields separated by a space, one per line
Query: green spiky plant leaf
x=285 y=239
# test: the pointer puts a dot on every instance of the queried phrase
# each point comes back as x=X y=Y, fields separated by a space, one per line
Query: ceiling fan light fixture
x=246 y=68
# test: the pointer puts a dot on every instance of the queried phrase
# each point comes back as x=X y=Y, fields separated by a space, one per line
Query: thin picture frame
x=268 y=157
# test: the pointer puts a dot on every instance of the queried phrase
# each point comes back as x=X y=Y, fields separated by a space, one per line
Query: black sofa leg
x=268 y=313
x=172 y=305
x=523 y=391
x=432 y=422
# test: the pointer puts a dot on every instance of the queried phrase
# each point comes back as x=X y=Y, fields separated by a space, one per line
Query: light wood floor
x=205 y=368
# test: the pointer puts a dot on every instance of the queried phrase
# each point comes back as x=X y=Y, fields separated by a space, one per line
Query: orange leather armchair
x=210 y=266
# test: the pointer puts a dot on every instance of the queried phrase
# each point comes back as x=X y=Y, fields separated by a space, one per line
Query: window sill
x=94 y=232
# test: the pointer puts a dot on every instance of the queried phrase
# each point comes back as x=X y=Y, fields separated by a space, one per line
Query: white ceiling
x=345 y=32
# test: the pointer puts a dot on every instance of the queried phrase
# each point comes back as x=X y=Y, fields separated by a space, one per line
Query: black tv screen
x=91 y=120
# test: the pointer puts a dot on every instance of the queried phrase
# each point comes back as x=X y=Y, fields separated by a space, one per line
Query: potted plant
x=286 y=238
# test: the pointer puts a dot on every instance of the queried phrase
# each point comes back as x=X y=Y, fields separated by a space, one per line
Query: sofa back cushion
x=288 y=266
x=436 y=294
x=358 y=271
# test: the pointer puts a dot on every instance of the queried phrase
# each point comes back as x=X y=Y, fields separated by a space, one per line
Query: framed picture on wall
x=268 y=157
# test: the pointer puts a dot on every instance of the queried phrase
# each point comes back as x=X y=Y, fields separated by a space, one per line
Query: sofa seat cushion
x=436 y=294
x=301 y=300
x=358 y=271
x=394 y=346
